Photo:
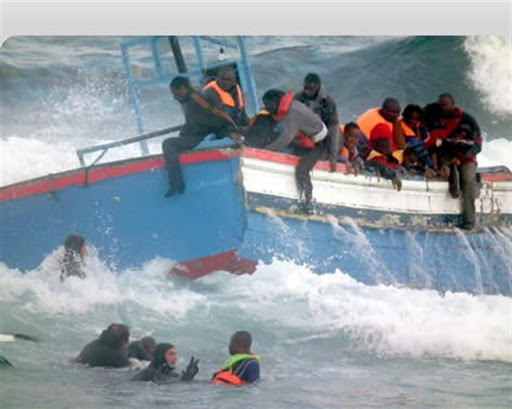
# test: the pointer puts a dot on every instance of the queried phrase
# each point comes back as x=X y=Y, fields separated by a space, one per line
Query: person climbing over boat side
x=243 y=367
x=141 y=349
x=224 y=93
x=349 y=153
x=72 y=262
x=316 y=98
x=109 y=350
x=382 y=160
x=162 y=368
x=387 y=114
x=458 y=140
x=201 y=119
x=295 y=117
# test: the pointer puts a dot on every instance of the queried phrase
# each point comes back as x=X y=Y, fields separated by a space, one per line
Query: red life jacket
x=284 y=105
x=447 y=126
x=302 y=141
x=227 y=378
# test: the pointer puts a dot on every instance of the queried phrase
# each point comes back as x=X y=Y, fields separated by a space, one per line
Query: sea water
x=325 y=341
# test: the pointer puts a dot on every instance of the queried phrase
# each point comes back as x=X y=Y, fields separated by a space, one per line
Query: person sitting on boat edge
x=224 y=93
x=457 y=140
x=109 y=350
x=162 y=368
x=141 y=349
x=294 y=117
x=72 y=261
x=349 y=153
x=387 y=115
x=201 y=119
x=243 y=367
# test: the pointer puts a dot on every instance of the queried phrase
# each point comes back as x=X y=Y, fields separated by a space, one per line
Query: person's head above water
x=164 y=353
x=149 y=344
x=240 y=343
x=116 y=336
x=75 y=243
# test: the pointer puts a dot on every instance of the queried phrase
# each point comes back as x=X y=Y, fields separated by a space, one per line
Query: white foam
x=491 y=71
x=385 y=320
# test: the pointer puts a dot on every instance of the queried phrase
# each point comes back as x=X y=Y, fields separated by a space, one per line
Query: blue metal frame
x=244 y=71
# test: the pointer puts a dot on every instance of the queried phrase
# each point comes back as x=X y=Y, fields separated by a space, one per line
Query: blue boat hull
x=216 y=225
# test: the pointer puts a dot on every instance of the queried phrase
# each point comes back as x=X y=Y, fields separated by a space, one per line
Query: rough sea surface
x=325 y=341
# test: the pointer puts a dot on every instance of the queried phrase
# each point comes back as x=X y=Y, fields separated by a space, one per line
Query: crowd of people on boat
x=439 y=140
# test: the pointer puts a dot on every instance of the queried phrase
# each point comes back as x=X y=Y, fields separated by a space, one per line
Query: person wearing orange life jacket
x=349 y=153
x=294 y=117
x=387 y=114
x=224 y=93
x=243 y=367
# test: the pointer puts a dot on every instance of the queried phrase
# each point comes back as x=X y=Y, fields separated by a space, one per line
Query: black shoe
x=305 y=208
x=175 y=191
x=465 y=225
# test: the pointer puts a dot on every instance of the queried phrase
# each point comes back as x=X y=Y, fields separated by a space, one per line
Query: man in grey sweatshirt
x=294 y=117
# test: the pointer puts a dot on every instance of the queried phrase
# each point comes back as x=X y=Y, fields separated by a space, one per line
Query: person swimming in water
x=142 y=349
x=162 y=368
x=72 y=262
x=109 y=350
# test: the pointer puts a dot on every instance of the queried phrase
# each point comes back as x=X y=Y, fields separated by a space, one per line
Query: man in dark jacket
x=461 y=144
x=201 y=119
x=109 y=349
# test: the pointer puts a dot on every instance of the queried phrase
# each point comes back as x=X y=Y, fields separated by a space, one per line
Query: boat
x=240 y=209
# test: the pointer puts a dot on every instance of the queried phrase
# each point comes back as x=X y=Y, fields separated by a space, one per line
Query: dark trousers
x=302 y=177
x=468 y=182
x=172 y=147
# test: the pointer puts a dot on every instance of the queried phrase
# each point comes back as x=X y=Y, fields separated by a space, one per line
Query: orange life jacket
x=225 y=97
x=369 y=119
x=284 y=105
x=227 y=378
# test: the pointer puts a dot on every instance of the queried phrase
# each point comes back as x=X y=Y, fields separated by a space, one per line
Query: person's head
x=462 y=132
x=413 y=115
x=164 y=353
x=433 y=115
x=447 y=102
x=409 y=157
x=383 y=145
x=271 y=100
x=351 y=135
x=226 y=78
x=240 y=343
x=75 y=244
x=149 y=344
x=390 y=109
x=312 y=84
x=180 y=88
x=116 y=336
